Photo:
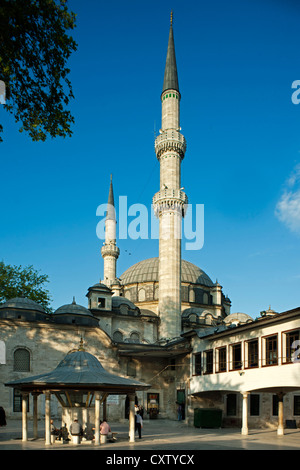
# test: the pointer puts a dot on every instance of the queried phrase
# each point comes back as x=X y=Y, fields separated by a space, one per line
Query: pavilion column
x=280 y=429
x=47 y=418
x=245 y=414
x=85 y=418
x=104 y=409
x=35 y=416
x=131 y=417
x=97 y=418
x=24 y=417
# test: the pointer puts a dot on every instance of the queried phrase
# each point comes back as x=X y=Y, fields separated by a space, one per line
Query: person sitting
x=54 y=431
x=76 y=428
x=88 y=433
x=65 y=433
x=104 y=427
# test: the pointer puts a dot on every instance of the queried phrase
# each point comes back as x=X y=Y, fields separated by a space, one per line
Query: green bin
x=207 y=418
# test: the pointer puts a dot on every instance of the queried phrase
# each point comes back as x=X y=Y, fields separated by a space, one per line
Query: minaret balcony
x=110 y=250
x=170 y=199
x=170 y=140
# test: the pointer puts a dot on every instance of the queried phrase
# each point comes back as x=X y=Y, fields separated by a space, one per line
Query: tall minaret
x=109 y=251
x=170 y=201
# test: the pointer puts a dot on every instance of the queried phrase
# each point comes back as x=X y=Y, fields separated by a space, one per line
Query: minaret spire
x=170 y=202
x=171 y=76
x=109 y=251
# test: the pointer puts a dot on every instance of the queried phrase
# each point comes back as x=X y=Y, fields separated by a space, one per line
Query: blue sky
x=236 y=63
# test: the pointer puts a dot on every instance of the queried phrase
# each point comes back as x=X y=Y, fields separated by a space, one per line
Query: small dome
x=117 y=301
x=73 y=309
x=23 y=303
x=238 y=318
x=268 y=313
x=100 y=286
x=147 y=270
x=192 y=310
x=148 y=313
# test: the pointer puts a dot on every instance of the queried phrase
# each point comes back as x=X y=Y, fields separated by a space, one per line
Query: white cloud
x=295 y=176
x=288 y=207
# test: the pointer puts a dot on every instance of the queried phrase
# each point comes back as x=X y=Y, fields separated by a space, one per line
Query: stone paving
x=159 y=436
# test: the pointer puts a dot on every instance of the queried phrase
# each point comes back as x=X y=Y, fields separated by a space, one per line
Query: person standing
x=2 y=417
x=179 y=411
x=139 y=424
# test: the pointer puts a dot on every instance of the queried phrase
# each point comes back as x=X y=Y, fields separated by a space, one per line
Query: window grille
x=22 y=360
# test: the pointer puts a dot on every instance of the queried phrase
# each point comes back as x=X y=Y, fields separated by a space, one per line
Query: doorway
x=181 y=404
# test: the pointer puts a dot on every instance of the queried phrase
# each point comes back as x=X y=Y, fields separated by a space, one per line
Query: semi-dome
x=23 y=303
x=147 y=270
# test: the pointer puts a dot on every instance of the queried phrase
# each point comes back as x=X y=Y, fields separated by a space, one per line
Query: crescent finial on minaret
x=171 y=18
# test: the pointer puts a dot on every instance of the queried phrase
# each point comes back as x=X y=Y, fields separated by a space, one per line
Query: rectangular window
x=221 y=359
x=271 y=350
x=101 y=302
x=291 y=346
x=209 y=362
x=252 y=353
x=17 y=401
x=297 y=405
x=197 y=364
x=254 y=405
x=236 y=356
x=231 y=404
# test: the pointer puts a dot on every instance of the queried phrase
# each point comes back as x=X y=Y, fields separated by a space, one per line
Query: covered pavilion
x=77 y=379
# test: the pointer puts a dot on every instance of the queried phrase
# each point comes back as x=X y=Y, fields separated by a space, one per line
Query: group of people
x=76 y=429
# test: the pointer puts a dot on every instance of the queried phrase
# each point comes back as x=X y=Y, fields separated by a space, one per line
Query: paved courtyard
x=159 y=436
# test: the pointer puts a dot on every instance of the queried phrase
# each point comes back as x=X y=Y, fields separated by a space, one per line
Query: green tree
x=17 y=281
x=34 y=49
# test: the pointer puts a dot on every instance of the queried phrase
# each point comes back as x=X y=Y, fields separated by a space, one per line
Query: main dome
x=147 y=270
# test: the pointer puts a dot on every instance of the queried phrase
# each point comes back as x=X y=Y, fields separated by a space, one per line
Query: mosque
x=163 y=322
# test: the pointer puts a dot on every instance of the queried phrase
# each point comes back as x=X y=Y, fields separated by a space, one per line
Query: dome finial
x=81 y=348
x=73 y=303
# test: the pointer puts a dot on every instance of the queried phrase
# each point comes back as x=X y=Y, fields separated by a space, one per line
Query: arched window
x=208 y=319
x=192 y=295
x=205 y=298
x=117 y=336
x=142 y=295
x=193 y=318
x=22 y=360
x=134 y=338
x=2 y=353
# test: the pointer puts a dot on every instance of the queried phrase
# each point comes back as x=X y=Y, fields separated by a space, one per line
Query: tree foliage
x=16 y=281
x=34 y=49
